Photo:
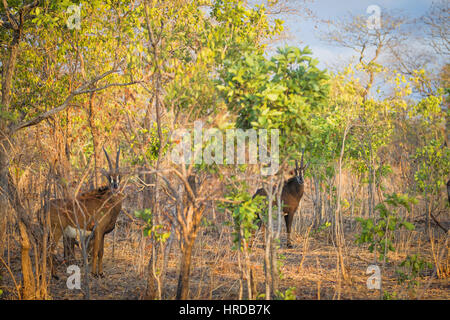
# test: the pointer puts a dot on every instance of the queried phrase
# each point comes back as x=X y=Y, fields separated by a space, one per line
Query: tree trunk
x=148 y=193
x=183 y=280
x=270 y=270
x=152 y=280
x=29 y=288
x=188 y=235
x=339 y=234
x=10 y=196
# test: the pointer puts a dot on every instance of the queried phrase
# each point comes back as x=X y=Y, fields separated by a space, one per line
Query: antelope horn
x=117 y=159
x=296 y=168
x=107 y=158
x=301 y=162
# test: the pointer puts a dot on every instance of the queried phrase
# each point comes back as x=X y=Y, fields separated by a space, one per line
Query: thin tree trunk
x=188 y=235
x=157 y=249
x=248 y=268
x=338 y=218
x=152 y=280
x=29 y=288
x=270 y=270
x=183 y=280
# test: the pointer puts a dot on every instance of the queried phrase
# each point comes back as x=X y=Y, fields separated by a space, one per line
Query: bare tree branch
x=12 y=20
x=81 y=90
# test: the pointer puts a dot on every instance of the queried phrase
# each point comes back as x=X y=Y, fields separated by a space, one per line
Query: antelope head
x=113 y=175
x=299 y=171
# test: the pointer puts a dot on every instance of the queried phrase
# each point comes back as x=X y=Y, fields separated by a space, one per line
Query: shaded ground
x=310 y=267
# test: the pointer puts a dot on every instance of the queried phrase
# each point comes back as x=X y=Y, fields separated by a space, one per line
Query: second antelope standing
x=94 y=211
x=290 y=196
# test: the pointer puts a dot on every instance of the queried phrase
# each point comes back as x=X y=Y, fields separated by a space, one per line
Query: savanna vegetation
x=126 y=75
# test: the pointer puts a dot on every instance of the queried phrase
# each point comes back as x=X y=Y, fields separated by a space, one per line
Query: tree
x=281 y=93
x=27 y=28
x=437 y=21
x=182 y=88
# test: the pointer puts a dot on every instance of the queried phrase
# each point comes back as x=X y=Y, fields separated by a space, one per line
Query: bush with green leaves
x=379 y=233
x=244 y=209
x=434 y=167
x=389 y=295
x=411 y=269
x=161 y=235
x=322 y=228
x=282 y=93
x=148 y=139
x=289 y=294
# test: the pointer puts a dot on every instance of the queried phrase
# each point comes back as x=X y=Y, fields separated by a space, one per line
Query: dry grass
x=310 y=267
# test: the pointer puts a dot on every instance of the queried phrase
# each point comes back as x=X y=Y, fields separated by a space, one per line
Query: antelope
x=290 y=196
x=448 y=191
x=94 y=211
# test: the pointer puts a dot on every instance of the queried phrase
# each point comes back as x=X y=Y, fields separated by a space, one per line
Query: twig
x=12 y=277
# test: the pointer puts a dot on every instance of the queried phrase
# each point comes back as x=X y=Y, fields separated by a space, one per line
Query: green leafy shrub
x=376 y=233
x=289 y=294
x=161 y=235
x=410 y=270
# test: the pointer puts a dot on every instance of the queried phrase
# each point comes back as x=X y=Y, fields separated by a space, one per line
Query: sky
x=305 y=31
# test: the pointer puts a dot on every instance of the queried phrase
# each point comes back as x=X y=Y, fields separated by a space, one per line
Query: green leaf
x=409 y=225
x=272 y=96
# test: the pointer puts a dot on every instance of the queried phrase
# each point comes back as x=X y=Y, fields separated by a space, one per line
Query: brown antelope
x=448 y=191
x=94 y=211
x=290 y=196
